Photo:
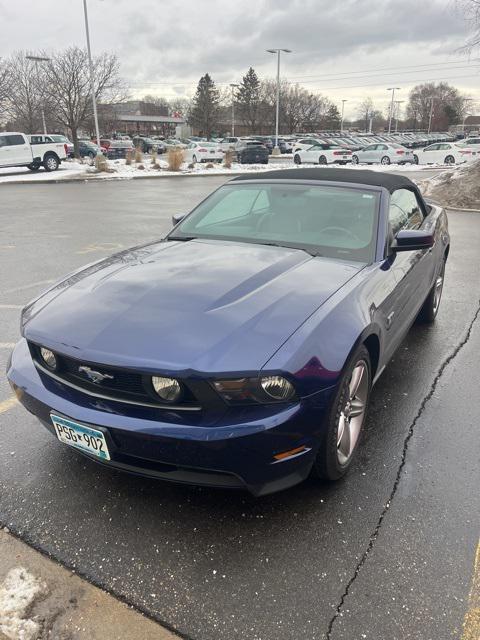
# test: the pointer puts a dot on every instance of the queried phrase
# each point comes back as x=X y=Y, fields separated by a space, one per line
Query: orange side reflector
x=291 y=452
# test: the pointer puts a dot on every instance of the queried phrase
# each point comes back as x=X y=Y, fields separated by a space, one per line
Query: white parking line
x=28 y=286
x=7 y=345
x=11 y=306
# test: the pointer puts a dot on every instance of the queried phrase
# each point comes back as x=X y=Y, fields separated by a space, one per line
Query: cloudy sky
x=345 y=49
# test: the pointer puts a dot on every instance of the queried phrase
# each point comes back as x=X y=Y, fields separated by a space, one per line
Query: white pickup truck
x=17 y=151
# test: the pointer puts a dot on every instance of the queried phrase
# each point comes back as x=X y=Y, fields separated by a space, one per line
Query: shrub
x=138 y=154
x=140 y=166
x=228 y=158
x=129 y=156
x=209 y=166
x=154 y=156
x=175 y=158
x=101 y=163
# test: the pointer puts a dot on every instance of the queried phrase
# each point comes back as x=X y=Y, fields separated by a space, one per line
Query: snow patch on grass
x=19 y=590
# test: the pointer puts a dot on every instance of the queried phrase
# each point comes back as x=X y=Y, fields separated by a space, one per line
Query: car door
x=381 y=150
x=365 y=154
x=413 y=270
x=18 y=150
x=430 y=154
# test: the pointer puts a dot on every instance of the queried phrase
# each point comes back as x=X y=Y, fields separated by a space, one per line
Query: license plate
x=80 y=436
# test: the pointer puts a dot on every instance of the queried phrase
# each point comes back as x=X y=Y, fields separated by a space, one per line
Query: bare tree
x=5 y=87
x=68 y=86
x=471 y=11
x=25 y=88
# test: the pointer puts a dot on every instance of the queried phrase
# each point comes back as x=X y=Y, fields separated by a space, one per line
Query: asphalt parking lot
x=386 y=553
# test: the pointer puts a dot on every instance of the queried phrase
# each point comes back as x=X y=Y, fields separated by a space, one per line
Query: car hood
x=200 y=305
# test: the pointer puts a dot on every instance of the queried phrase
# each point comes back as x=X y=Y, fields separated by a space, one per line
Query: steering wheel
x=345 y=232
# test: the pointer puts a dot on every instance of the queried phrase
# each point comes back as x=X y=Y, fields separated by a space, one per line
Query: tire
x=322 y=160
x=430 y=307
x=449 y=160
x=385 y=160
x=415 y=159
x=51 y=162
x=194 y=159
x=297 y=159
x=335 y=454
x=33 y=167
x=355 y=160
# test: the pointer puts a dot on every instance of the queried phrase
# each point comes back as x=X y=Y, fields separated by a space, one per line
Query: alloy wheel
x=385 y=160
x=437 y=293
x=353 y=412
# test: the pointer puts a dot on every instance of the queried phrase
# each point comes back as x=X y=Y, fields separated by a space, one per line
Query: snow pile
x=17 y=593
x=458 y=187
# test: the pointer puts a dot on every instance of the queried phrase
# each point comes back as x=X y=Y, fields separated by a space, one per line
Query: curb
x=94 y=177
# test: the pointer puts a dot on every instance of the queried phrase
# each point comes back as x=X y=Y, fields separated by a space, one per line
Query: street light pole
x=233 y=86
x=38 y=59
x=430 y=116
x=343 y=110
x=392 y=89
x=92 y=79
x=276 y=150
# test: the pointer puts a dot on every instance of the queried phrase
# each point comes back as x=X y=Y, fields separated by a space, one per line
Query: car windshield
x=59 y=138
x=331 y=221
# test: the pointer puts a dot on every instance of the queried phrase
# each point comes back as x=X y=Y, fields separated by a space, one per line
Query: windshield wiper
x=310 y=252
x=182 y=238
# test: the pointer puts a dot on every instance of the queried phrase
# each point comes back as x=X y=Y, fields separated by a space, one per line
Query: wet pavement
x=386 y=553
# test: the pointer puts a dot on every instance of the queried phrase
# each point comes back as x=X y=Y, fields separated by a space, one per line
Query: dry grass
x=229 y=158
x=129 y=156
x=154 y=156
x=101 y=163
x=138 y=155
x=175 y=159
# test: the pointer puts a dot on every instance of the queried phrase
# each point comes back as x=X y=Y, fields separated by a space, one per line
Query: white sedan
x=446 y=153
x=203 y=152
x=323 y=153
x=383 y=153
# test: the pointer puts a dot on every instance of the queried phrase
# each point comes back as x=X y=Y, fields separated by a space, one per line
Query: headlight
x=48 y=358
x=167 y=388
x=277 y=387
x=264 y=390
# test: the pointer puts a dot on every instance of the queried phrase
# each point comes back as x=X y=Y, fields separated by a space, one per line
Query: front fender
x=316 y=353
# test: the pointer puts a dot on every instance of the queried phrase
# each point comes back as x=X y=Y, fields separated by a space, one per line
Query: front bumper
x=236 y=451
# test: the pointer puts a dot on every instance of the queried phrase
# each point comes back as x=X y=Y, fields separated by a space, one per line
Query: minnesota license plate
x=80 y=436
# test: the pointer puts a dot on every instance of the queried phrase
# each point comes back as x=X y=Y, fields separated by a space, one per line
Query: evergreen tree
x=248 y=100
x=206 y=106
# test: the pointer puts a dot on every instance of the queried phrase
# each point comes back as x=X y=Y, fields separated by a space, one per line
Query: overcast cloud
x=165 y=45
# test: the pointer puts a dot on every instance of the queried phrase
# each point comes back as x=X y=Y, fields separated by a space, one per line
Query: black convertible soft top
x=358 y=176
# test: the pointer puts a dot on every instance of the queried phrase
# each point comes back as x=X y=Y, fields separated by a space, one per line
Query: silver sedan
x=383 y=153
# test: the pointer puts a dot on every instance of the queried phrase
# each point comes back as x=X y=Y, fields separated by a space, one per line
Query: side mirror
x=413 y=240
x=177 y=218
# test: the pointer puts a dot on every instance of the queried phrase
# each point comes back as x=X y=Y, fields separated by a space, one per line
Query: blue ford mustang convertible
x=240 y=350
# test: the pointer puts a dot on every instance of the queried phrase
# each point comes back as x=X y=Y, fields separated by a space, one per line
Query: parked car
x=146 y=145
x=171 y=143
x=53 y=137
x=445 y=153
x=323 y=153
x=305 y=143
x=119 y=149
x=240 y=350
x=383 y=153
x=16 y=150
x=228 y=143
x=203 y=152
x=88 y=149
x=251 y=152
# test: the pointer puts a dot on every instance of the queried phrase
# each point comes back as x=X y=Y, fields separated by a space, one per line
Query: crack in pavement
x=376 y=531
